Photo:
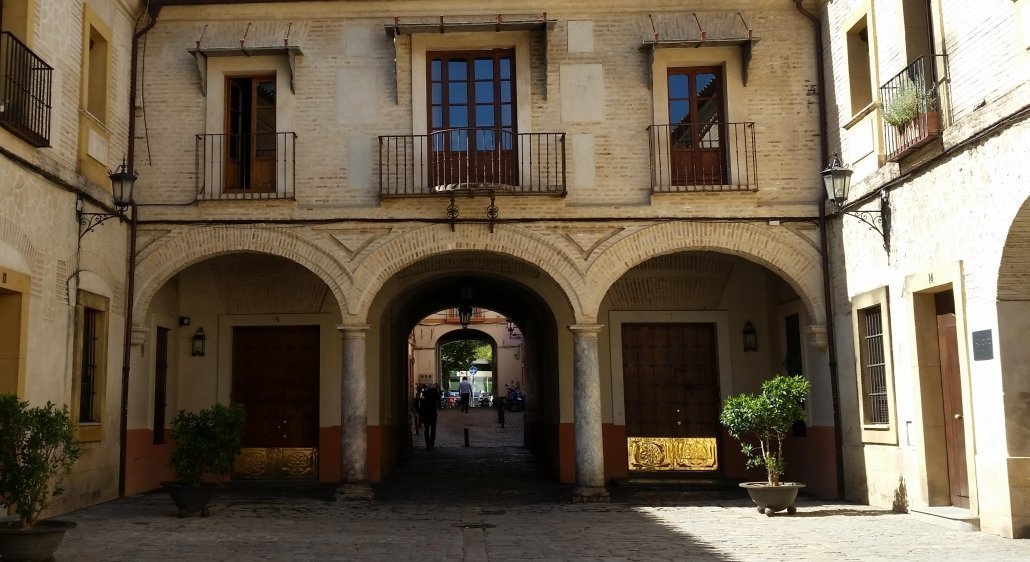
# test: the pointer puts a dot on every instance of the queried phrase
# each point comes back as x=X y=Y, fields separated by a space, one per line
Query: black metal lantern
x=122 y=182
x=465 y=314
x=837 y=181
x=750 y=337
x=199 y=343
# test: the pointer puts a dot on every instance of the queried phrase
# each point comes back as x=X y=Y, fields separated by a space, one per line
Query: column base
x=590 y=494
x=356 y=491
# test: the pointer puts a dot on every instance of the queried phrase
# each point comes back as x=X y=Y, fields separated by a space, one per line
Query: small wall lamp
x=750 y=337
x=837 y=181
x=122 y=182
x=199 y=342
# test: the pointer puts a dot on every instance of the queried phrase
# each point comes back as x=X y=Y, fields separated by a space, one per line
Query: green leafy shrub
x=37 y=447
x=908 y=101
x=206 y=442
x=767 y=417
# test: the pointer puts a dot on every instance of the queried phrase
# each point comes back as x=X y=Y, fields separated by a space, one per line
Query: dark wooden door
x=697 y=127
x=954 y=417
x=671 y=380
x=275 y=377
x=160 y=384
x=250 y=140
x=472 y=132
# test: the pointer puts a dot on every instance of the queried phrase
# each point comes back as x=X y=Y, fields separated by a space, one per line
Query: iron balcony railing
x=714 y=156
x=472 y=158
x=246 y=166
x=25 y=91
x=912 y=110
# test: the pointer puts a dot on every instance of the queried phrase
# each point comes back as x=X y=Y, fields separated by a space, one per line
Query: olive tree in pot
x=205 y=443
x=761 y=422
x=37 y=447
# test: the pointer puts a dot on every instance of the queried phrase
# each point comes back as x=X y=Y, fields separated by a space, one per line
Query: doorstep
x=948 y=516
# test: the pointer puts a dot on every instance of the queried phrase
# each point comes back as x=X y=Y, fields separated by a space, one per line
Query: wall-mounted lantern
x=199 y=343
x=750 y=337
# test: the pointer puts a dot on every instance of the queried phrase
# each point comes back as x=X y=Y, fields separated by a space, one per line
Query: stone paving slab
x=492 y=501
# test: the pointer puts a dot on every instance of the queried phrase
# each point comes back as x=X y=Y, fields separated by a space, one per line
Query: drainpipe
x=831 y=338
x=131 y=273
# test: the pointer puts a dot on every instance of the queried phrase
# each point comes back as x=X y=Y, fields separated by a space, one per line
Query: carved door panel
x=275 y=377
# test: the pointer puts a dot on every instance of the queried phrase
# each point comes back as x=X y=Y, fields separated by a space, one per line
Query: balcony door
x=697 y=126
x=472 y=132
x=250 y=139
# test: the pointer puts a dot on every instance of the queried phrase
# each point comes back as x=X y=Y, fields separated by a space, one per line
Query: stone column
x=587 y=415
x=354 y=416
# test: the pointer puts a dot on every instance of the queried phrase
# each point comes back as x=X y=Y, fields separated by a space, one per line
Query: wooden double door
x=671 y=378
x=276 y=379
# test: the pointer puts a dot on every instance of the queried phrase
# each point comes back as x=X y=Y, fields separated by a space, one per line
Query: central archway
x=508 y=286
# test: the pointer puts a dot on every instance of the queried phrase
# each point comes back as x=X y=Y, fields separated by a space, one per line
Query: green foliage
x=37 y=447
x=767 y=417
x=206 y=442
x=459 y=355
x=908 y=101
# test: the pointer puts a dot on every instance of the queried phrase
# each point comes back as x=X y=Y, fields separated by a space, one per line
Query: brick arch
x=180 y=251
x=1013 y=305
x=422 y=243
x=12 y=235
x=792 y=257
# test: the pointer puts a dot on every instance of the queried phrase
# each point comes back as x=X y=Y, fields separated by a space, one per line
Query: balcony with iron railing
x=235 y=166
x=467 y=158
x=912 y=110
x=703 y=157
x=25 y=92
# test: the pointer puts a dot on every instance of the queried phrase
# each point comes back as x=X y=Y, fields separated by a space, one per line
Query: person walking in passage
x=428 y=405
x=465 y=391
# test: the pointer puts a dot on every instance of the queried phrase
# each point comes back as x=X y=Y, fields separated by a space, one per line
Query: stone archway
x=182 y=249
x=1013 y=325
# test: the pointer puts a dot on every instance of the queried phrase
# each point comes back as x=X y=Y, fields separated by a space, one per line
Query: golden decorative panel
x=655 y=454
x=278 y=463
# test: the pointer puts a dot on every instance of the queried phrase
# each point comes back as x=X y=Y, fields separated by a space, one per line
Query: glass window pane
x=457 y=69
x=484 y=92
x=435 y=68
x=437 y=90
x=437 y=117
x=457 y=92
x=506 y=115
x=708 y=110
x=506 y=91
x=707 y=85
x=679 y=86
x=505 y=64
x=484 y=115
x=485 y=139
x=484 y=69
x=459 y=140
x=459 y=116
x=679 y=112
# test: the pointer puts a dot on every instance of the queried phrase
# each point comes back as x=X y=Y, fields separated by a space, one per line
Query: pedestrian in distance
x=429 y=404
x=465 y=391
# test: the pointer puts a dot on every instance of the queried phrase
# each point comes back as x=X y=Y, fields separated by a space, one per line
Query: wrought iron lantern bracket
x=879 y=220
x=89 y=221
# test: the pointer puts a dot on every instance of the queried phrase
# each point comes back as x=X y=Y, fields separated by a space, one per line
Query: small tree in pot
x=37 y=447
x=761 y=422
x=205 y=442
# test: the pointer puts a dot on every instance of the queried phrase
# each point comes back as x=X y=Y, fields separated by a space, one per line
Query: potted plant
x=761 y=422
x=37 y=447
x=205 y=443
x=909 y=102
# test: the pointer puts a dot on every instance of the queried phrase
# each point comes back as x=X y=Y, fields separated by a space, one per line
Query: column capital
x=353 y=330
x=586 y=329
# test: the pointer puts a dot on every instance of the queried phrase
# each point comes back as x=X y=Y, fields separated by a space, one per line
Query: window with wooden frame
x=91 y=320
x=697 y=125
x=250 y=134
x=873 y=367
x=471 y=112
x=859 y=70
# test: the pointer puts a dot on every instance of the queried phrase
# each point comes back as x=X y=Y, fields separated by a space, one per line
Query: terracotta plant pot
x=37 y=543
x=770 y=499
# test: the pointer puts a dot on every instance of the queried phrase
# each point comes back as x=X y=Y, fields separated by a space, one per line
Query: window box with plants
x=204 y=443
x=761 y=422
x=37 y=447
x=912 y=112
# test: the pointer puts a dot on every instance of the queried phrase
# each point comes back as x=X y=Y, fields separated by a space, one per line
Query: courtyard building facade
x=634 y=187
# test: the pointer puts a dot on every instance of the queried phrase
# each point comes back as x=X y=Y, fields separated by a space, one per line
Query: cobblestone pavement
x=492 y=501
